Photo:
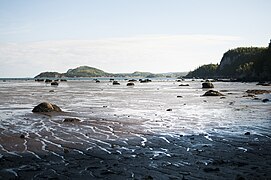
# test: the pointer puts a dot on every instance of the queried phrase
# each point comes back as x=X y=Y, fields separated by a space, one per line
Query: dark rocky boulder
x=54 y=83
x=265 y=100
x=212 y=93
x=48 y=80
x=116 y=83
x=144 y=80
x=132 y=80
x=130 y=84
x=184 y=85
x=46 y=107
x=207 y=85
x=71 y=120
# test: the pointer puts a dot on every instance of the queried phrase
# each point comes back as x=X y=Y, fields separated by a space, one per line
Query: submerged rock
x=46 y=107
x=207 y=85
x=212 y=93
x=265 y=100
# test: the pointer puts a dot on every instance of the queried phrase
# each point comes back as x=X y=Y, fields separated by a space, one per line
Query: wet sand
x=156 y=157
x=127 y=133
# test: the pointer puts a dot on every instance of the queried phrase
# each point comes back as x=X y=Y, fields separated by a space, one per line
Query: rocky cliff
x=243 y=63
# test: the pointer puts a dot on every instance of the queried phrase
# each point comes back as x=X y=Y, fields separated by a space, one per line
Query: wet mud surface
x=128 y=133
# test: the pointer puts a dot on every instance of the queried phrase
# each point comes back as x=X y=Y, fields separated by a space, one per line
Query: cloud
x=157 y=53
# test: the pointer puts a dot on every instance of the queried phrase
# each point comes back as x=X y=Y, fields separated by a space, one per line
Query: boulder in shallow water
x=72 y=120
x=130 y=84
x=46 y=107
x=207 y=85
x=116 y=83
x=247 y=133
x=54 y=83
x=184 y=85
x=48 y=80
x=212 y=93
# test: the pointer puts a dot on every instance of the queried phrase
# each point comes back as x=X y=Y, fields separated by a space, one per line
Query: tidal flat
x=153 y=130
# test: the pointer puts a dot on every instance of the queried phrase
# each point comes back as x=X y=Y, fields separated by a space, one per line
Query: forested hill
x=82 y=71
x=243 y=63
x=86 y=71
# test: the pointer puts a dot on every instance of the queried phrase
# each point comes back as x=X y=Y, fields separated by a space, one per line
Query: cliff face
x=244 y=63
x=239 y=62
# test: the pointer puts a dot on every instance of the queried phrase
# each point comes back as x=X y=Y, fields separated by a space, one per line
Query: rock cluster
x=258 y=91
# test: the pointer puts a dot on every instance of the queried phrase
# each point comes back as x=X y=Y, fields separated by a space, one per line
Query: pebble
x=22 y=136
x=247 y=133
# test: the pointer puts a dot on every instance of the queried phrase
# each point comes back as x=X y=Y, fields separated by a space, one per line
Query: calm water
x=119 y=112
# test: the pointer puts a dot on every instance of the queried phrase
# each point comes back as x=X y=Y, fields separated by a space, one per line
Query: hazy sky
x=126 y=35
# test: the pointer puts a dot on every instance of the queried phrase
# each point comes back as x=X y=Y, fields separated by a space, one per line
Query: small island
x=86 y=71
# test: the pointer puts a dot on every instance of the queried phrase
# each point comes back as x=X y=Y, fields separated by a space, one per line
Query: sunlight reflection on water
x=145 y=104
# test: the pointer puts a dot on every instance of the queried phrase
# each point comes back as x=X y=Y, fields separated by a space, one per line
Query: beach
x=154 y=130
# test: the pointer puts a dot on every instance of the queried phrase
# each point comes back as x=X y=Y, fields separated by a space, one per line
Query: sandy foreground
x=147 y=157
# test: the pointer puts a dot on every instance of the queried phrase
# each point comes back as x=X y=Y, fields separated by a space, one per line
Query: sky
x=122 y=36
